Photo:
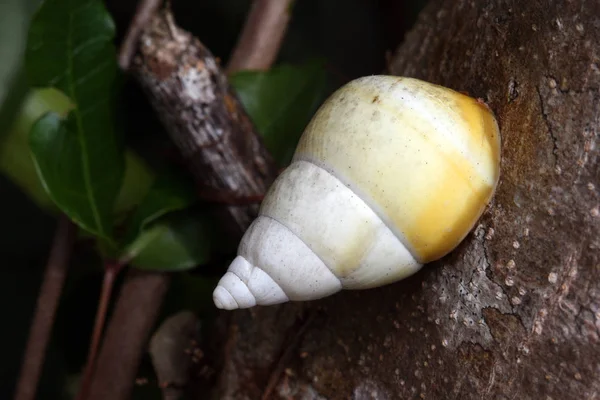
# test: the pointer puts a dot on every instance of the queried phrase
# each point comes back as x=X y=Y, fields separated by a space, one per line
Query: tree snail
x=391 y=173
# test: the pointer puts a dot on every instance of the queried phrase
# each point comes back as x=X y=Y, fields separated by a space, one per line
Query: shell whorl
x=244 y=286
x=390 y=173
x=314 y=236
x=273 y=266
x=425 y=157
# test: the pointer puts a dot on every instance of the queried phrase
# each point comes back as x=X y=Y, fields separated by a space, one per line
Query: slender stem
x=262 y=35
x=47 y=303
x=126 y=336
x=111 y=271
x=142 y=294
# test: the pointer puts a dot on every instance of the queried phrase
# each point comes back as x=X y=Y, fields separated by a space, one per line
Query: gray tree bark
x=514 y=311
x=225 y=155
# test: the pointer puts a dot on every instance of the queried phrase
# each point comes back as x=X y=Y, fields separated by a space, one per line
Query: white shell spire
x=391 y=173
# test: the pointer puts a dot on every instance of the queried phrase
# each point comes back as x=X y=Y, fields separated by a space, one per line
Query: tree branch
x=204 y=118
x=127 y=334
x=261 y=38
x=43 y=320
x=111 y=271
x=217 y=140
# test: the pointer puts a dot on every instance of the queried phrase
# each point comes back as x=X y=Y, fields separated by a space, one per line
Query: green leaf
x=70 y=47
x=174 y=243
x=168 y=193
x=79 y=160
x=15 y=155
x=137 y=181
x=281 y=102
x=157 y=241
x=17 y=164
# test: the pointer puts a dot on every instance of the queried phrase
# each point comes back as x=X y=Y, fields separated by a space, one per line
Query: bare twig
x=144 y=12
x=111 y=270
x=261 y=38
x=127 y=334
x=48 y=299
x=217 y=140
x=204 y=118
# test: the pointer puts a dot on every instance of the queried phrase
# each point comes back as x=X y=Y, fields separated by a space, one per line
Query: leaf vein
x=92 y=72
x=80 y=133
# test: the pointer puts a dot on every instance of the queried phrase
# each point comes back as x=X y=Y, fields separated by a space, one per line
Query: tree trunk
x=514 y=311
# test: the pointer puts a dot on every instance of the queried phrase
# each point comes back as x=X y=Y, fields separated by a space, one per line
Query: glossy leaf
x=15 y=155
x=80 y=162
x=16 y=162
x=281 y=102
x=168 y=193
x=137 y=181
x=175 y=243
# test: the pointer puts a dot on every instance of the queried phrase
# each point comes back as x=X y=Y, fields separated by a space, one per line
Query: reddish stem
x=41 y=327
x=111 y=271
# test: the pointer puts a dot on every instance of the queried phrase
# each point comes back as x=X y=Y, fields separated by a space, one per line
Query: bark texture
x=204 y=118
x=222 y=150
x=514 y=311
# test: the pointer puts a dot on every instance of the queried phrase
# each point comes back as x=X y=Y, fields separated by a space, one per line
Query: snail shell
x=391 y=173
